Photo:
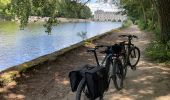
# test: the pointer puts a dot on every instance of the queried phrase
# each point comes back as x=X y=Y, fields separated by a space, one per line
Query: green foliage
x=141 y=24
x=22 y=9
x=85 y=13
x=49 y=23
x=127 y=23
x=4 y=11
x=72 y=9
x=150 y=15
x=158 y=51
x=142 y=13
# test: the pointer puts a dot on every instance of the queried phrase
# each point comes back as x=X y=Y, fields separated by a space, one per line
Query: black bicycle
x=114 y=69
x=131 y=53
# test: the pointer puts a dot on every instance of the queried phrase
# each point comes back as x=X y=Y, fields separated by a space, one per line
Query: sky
x=101 y=6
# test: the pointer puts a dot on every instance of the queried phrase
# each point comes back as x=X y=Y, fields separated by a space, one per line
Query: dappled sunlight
x=144 y=42
x=144 y=78
x=146 y=91
x=15 y=96
x=8 y=94
x=119 y=97
x=166 y=97
x=166 y=73
x=65 y=81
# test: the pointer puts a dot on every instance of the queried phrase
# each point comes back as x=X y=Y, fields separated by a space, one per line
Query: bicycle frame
x=107 y=56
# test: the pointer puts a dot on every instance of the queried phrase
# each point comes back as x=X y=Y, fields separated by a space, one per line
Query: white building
x=100 y=15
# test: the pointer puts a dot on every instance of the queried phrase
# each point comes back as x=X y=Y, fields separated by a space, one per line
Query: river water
x=18 y=46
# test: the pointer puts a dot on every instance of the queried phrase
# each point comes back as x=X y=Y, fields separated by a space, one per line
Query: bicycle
x=114 y=69
x=131 y=53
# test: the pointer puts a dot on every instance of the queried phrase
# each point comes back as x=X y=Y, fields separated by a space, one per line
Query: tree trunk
x=143 y=10
x=163 y=7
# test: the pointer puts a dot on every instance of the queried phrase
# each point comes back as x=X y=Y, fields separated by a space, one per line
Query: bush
x=127 y=23
x=141 y=24
x=158 y=51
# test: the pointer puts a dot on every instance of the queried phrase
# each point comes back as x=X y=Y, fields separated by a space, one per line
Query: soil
x=49 y=81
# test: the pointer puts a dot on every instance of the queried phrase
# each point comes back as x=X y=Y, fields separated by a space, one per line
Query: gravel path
x=49 y=81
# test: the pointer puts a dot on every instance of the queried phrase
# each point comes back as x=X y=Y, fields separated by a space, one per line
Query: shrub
x=158 y=51
x=142 y=25
x=127 y=23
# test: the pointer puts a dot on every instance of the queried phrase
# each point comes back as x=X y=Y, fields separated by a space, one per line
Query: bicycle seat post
x=95 y=55
x=129 y=39
x=97 y=61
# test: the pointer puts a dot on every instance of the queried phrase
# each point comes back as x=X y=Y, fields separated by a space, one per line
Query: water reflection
x=18 y=46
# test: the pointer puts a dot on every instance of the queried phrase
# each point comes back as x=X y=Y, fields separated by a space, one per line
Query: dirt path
x=50 y=81
x=150 y=81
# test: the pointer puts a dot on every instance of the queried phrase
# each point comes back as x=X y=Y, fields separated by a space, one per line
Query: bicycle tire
x=124 y=64
x=134 y=53
x=108 y=69
x=124 y=60
x=80 y=88
x=118 y=73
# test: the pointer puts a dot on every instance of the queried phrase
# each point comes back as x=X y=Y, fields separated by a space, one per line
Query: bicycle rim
x=134 y=56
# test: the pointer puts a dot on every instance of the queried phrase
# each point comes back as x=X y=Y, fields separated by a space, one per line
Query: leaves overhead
x=22 y=9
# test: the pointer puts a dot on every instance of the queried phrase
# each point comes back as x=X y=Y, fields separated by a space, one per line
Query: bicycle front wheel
x=118 y=74
x=134 y=56
x=124 y=64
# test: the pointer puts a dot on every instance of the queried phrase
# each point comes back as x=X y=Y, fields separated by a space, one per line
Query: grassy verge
x=158 y=51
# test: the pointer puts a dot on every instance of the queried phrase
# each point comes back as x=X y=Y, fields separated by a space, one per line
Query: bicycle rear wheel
x=118 y=74
x=80 y=95
x=134 y=56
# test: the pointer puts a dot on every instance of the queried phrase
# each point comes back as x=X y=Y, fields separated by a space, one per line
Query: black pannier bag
x=117 y=48
x=76 y=76
x=97 y=81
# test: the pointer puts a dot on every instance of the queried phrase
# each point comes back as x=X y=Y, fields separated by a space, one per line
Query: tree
x=22 y=9
x=154 y=12
x=4 y=12
x=163 y=10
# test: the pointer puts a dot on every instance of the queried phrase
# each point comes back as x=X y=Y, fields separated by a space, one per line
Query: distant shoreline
x=61 y=20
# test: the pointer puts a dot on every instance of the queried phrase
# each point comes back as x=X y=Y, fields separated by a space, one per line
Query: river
x=18 y=46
